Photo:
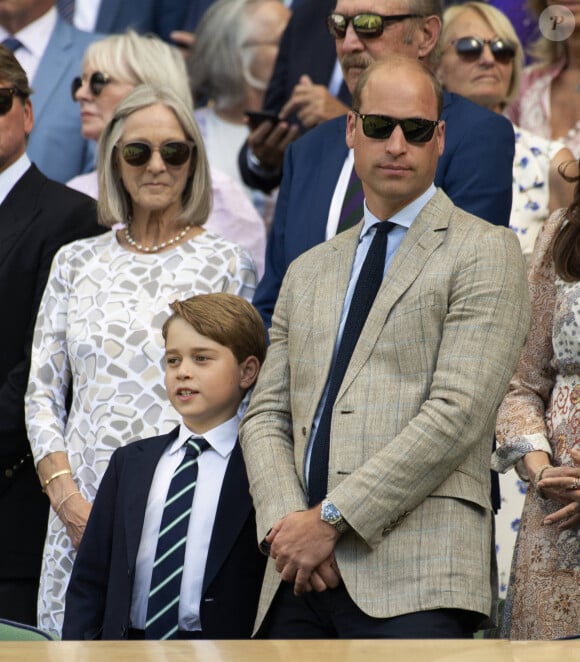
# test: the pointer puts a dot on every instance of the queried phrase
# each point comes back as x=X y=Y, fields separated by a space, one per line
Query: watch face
x=330 y=512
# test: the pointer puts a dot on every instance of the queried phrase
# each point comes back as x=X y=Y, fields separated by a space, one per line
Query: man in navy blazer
x=56 y=145
x=108 y=551
x=475 y=170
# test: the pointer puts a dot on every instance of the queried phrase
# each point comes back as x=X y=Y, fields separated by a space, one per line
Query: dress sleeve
x=521 y=426
x=50 y=371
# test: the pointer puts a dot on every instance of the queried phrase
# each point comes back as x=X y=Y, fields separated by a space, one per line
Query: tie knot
x=384 y=227
x=12 y=44
x=195 y=446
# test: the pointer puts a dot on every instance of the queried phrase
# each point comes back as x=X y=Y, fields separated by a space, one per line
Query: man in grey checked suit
x=401 y=546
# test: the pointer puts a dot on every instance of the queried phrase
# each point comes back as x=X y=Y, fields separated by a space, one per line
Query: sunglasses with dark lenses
x=415 y=129
x=97 y=82
x=173 y=153
x=367 y=26
x=471 y=48
x=7 y=95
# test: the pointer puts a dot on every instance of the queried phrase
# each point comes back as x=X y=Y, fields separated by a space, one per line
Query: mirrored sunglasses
x=471 y=48
x=367 y=26
x=173 y=153
x=97 y=82
x=415 y=129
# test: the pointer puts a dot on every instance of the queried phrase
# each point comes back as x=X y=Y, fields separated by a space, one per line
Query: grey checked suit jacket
x=413 y=421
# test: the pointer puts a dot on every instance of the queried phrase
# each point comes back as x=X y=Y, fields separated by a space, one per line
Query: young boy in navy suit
x=123 y=575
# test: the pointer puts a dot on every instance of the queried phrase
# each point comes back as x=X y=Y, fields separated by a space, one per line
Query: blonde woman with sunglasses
x=481 y=58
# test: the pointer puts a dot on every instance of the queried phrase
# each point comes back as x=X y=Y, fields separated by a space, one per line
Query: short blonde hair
x=114 y=204
x=502 y=27
x=139 y=60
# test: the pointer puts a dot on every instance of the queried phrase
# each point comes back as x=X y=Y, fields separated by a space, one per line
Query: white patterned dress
x=99 y=330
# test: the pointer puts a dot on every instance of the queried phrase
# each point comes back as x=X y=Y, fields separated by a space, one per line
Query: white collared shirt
x=34 y=38
x=212 y=466
x=10 y=176
x=86 y=14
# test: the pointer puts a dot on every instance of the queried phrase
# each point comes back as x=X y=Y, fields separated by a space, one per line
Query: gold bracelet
x=68 y=496
x=538 y=478
x=56 y=474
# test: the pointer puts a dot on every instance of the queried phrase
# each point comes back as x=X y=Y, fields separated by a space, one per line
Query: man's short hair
x=12 y=74
x=227 y=319
x=394 y=62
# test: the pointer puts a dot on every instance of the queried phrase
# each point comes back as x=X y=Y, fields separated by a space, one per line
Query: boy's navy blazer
x=98 y=599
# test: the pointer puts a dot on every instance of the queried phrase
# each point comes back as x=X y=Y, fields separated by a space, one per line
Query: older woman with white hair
x=98 y=331
x=114 y=66
x=230 y=65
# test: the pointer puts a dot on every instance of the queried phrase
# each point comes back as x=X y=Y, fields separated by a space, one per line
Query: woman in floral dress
x=538 y=431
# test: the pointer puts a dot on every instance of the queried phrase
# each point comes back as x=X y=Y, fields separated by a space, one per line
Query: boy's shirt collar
x=221 y=438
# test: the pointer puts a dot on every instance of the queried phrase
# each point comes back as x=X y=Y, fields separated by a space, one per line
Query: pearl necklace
x=154 y=249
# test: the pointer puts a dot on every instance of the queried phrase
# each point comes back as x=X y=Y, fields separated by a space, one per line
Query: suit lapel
x=19 y=209
x=138 y=478
x=331 y=286
x=233 y=508
x=107 y=14
x=334 y=148
x=53 y=66
x=423 y=237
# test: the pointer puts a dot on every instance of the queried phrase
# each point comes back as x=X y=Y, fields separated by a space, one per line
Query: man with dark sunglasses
x=37 y=216
x=475 y=169
x=368 y=437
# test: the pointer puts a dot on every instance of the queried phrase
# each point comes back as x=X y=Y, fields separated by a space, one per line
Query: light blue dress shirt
x=402 y=220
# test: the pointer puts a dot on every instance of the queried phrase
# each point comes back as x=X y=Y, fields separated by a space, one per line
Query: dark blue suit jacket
x=98 y=599
x=475 y=171
x=157 y=16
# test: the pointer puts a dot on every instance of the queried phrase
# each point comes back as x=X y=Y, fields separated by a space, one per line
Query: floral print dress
x=542 y=412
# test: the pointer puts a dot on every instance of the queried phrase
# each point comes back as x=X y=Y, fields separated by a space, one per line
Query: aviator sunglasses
x=415 y=129
x=97 y=82
x=7 y=95
x=367 y=26
x=471 y=48
x=174 y=153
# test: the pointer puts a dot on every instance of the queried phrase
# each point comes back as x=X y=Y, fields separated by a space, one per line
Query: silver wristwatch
x=330 y=514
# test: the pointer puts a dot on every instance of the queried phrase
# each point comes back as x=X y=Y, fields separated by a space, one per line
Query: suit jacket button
x=304 y=431
x=8 y=473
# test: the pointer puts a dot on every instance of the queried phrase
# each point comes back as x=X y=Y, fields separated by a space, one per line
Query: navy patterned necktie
x=12 y=44
x=365 y=292
x=353 y=204
x=163 y=605
x=66 y=9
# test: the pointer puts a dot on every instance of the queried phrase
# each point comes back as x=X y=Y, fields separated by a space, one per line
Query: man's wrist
x=330 y=514
x=258 y=166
